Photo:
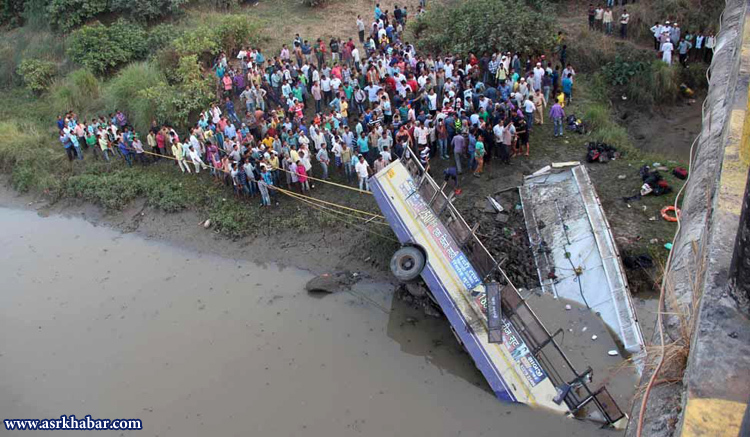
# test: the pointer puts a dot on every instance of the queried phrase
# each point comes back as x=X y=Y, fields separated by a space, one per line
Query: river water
x=97 y=322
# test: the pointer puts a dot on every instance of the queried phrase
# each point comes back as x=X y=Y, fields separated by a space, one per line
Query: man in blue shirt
x=230 y=131
x=229 y=106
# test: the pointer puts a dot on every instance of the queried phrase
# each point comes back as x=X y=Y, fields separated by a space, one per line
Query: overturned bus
x=520 y=359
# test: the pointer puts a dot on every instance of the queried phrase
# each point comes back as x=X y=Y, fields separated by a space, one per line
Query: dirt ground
x=668 y=132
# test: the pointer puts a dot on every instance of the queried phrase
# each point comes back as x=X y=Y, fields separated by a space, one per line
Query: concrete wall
x=709 y=277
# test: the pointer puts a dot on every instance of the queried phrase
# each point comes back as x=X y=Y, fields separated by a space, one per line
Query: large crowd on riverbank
x=349 y=106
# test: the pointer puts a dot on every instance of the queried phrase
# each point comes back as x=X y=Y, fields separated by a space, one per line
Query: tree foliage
x=147 y=10
x=11 y=12
x=208 y=40
x=102 y=49
x=485 y=25
x=37 y=74
x=68 y=14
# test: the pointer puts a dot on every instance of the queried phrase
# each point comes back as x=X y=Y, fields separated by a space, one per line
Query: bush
x=659 y=84
x=483 y=25
x=79 y=91
x=147 y=10
x=29 y=155
x=10 y=12
x=207 y=40
x=620 y=71
x=37 y=74
x=161 y=36
x=124 y=92
x=694 y=76
x=102 y=49
x=68 y=14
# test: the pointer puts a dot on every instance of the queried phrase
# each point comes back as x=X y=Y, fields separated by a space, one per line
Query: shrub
x=694 y=76
x=207 y=40
x=124 y=92
x=78 y=91
x=10 y=12
x=659 y=84
x=161 y=36
x=68 y=14
x=483 y=25
x=102 y=49
x=29 y=155
x=193 y=93
x=147 y=10
x=597 y=116
x=37 y=74
x=620 y=71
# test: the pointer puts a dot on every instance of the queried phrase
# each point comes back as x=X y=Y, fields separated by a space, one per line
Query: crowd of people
x=348 y=107
x=690 y=46
x=668 y=37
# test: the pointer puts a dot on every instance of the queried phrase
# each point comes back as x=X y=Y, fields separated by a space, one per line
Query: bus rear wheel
x=407 y=263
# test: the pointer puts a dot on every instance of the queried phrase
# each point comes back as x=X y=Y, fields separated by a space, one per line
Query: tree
x=485 y=25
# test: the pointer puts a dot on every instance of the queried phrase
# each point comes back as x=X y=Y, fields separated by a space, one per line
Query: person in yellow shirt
x=274 y=162
x=267 y=141
x=561 y=99
x=345 y=110
x=178 y=153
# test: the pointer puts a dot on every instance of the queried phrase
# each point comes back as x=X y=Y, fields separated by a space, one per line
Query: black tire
x=407 y=263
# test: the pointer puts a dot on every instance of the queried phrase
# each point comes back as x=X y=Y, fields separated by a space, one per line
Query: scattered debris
x=653 y=240
x=495 y=204
x=568 y=307
x=668 y=246
x=601 y=152
x=207 y=224
x=613 y=353
x=622 y=176
x=594 y=337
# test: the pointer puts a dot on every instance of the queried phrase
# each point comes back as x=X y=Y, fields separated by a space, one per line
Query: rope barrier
x=307 y=199
x=303 y=199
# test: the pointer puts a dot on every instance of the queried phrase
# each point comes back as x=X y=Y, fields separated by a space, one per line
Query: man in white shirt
x=362 y=173
x=528 y=109
x=196 y=158
x=325 y=86
x=656 y=30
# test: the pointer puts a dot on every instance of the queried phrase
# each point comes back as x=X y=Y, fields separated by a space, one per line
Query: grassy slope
x=163 y=187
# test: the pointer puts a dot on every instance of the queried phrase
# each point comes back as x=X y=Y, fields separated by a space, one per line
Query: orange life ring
x=668 y=217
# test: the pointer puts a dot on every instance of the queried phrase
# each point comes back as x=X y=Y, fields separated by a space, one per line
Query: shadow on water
x=431 y=337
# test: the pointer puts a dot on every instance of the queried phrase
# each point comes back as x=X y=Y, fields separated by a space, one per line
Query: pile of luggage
x=575 y=124
x=653 y=182
x=600 y=152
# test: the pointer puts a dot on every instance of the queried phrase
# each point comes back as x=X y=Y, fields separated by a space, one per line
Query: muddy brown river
x=97 y=322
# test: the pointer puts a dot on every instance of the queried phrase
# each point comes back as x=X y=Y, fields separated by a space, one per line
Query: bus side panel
x=461 y=327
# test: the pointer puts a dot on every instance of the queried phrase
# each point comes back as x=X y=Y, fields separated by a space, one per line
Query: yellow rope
x=313 y=199
x=326 y=181
x=318 y=207
x=290 y=193
x=302 y=199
